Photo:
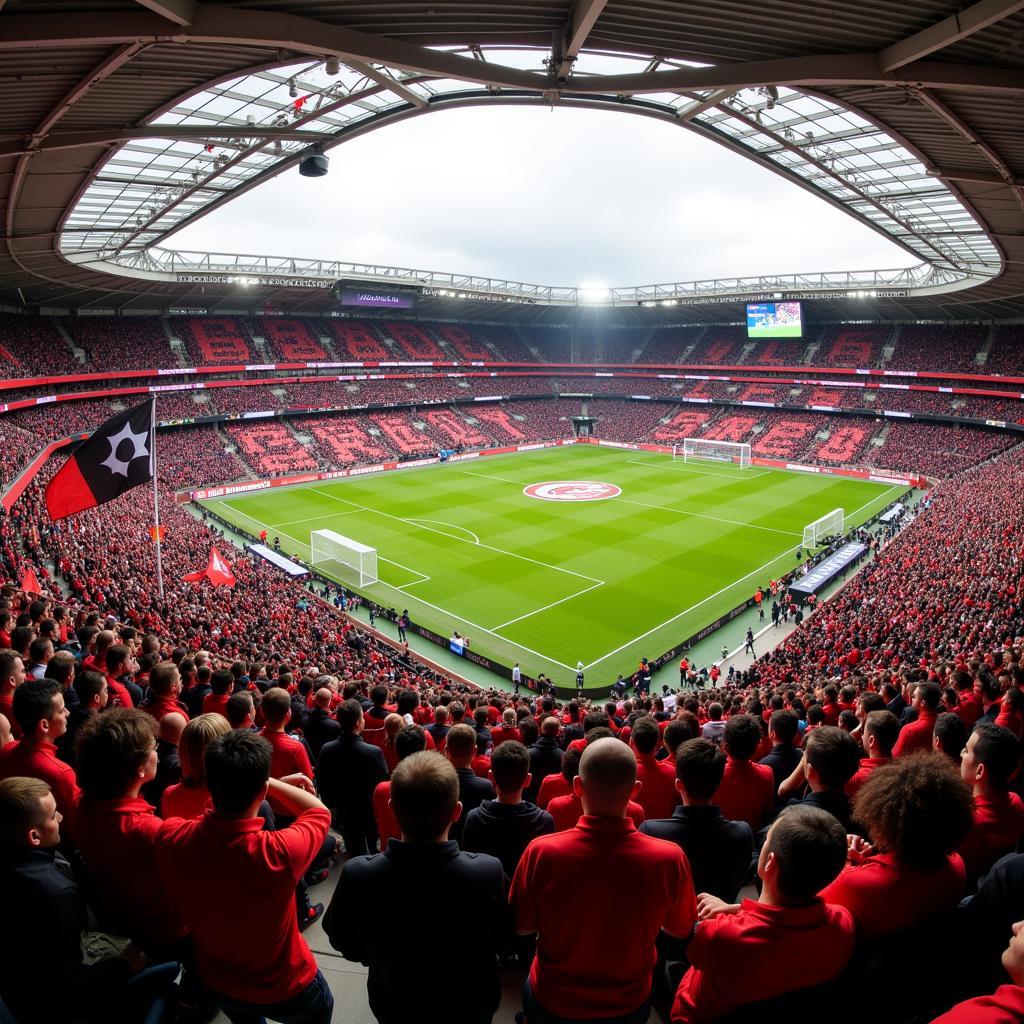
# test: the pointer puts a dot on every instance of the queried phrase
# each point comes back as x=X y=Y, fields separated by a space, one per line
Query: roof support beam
x=389 y=83
x=946 y=32
x=937 y=107
x=16 y=146
x=181 y=12
x=975 y=177
x=275 y=30
x=581 y=20
x=713 y=99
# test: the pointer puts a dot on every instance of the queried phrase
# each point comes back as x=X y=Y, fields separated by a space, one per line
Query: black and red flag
x=118 y=456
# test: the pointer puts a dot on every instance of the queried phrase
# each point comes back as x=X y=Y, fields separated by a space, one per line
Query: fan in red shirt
x=746 y=952
x=410 y=739
x=42 y=718
x=216 y=701
x=190 y=798
x=12 y=675
x=289 y=754
x=990 y=761
x=916 y=811
x=164 y=688
x=567 y=809
x=116 y=830
x=878 y=736
x=253 y=959
x=507 y=730
x=747 y=792
x=658 y=795
x=917 y=736
x=1006 y=1004
x=552 y=892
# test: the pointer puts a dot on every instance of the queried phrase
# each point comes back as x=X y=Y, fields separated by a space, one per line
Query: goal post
x=825 y=528
x=695 y=449
x=349 y=559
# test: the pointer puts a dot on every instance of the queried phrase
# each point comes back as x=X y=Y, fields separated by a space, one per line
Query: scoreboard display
x=774 y=320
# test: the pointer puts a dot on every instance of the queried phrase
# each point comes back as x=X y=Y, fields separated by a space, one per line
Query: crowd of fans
x=190 y=768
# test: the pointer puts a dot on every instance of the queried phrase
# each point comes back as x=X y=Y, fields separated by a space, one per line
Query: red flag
x=29 y=583
x=217 y=571
x=157 y=534
x=117 y=457
x=300 y=102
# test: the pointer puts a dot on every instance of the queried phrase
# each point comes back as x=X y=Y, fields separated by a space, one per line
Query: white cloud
x=545 y=196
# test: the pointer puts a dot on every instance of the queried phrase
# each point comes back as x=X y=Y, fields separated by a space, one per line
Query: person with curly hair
x=916 y=812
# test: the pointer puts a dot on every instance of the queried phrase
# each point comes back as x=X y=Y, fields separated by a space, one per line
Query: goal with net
x=824 y=529
x=346 y=558
x=694 y=449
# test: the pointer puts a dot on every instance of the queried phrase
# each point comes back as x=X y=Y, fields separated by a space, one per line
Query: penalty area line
x=571 y=597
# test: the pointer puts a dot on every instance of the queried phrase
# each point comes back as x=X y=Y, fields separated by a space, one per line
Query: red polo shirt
x=160 y=706
x=500 y=734
x=572 y=974
x=181 y=801
x=552 y=786
x=567 y=811
x=998 y=826
x=885 y=896
x=40 y=761
x=289 y=755
x=1005 y=1006
x=657 y=796
x=867 y=766
x=252 y=949
x=916 y=736
x=387 y=823
x=747 y=792
x=216 y=704
x=752 y=955
x=118 y=840
x=120 y=697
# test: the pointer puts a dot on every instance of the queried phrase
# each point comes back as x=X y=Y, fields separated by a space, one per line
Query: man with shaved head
x=552 y=894
x=321 y=726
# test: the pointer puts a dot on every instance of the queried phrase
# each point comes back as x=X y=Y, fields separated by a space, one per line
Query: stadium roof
x=128 y=118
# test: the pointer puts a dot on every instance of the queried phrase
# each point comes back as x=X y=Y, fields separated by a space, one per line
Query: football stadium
x=526 y=563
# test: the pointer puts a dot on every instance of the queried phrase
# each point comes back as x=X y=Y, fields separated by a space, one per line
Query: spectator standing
x=718 y=850
x=553 y=885
x=505 y=826
x=252 y=959
x=373 y=894
x=460 y=749
x=347 y=773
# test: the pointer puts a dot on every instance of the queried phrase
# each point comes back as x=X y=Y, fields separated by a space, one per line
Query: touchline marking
x=430 y=529
x=686 y=611
x=716 y=519
x=700 y=471
x=571 y=597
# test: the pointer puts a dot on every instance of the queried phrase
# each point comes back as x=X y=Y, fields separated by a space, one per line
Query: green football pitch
x=551 y=582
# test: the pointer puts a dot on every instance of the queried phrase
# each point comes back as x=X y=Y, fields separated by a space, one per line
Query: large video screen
x=376 y=298
x=774 y=320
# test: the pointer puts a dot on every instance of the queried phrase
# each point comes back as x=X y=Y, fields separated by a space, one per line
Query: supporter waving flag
x=217 y=571
x=118 y=456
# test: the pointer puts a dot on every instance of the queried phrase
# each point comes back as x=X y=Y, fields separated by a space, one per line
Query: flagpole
x=156 y=510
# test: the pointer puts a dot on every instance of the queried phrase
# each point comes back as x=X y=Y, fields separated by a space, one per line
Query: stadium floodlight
x=695 y=449
x=343 y=557
x=824 y=529
x=314 y=164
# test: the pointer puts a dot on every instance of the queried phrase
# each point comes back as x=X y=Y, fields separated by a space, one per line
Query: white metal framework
x=695 y=449
x=823 y=529
x=348 y=558
x=193 y=156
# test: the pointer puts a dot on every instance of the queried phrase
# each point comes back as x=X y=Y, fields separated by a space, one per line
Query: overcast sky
x=556 y=197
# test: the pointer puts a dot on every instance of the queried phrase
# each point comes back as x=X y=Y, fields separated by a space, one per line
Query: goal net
x=694 y=449
x=346 y=558
x=824 y=529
